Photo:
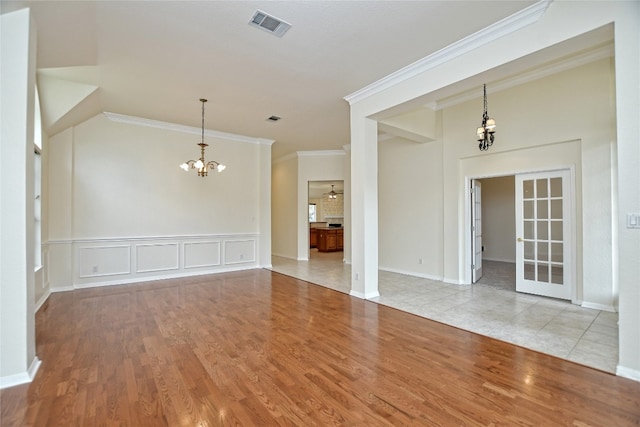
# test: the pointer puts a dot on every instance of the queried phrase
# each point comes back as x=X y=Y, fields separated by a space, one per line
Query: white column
x=264 y=224
x=347 y=204
x=18 y=361
x=364 y=207
x=627 y=45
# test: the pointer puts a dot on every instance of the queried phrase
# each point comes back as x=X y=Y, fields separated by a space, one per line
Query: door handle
x=520 y=239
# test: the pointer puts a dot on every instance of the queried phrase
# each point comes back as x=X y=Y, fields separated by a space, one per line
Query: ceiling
x=318 y=189
x=156 y=59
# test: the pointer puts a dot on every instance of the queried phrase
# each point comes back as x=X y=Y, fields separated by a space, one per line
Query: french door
x=476 y=230
x=544 y=224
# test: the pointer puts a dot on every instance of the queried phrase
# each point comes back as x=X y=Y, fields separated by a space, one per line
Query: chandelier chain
x=202 y=138
x=487 y=129
x=200 y=165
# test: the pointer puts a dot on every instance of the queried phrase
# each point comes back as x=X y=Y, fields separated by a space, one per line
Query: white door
x=544 y=234
x=476 y=230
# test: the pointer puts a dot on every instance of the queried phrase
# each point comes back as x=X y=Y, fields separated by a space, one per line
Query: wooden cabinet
x=330 y=239
x=313 y=237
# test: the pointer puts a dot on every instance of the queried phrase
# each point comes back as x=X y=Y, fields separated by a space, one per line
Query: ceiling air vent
x=269 y=23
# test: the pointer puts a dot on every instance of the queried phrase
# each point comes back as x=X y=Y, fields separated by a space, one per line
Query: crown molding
x=320 y=153
x=583 y=58
x=297 y=154
x=157 y=124
x=505 y=26
x=263 y=141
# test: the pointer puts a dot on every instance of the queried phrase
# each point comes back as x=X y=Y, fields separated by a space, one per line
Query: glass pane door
x=544 y=223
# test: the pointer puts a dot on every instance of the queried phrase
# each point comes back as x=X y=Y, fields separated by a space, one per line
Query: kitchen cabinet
x=313 y=237
x=330 y=239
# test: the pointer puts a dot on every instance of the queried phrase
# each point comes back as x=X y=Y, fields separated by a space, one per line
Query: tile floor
x=491 y=307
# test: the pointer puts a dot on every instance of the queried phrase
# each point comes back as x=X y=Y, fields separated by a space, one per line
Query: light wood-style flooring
x=257 y=348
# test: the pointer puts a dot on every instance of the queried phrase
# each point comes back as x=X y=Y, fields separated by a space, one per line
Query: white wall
x=470 y=59
x=576 y=106
x=121 y=210
x=410 y=207
x=291 y=176
x=284 y=208
x=18 y=361
x=627 y=240
x=41 y=286
x=314 y=166
x=434 y=176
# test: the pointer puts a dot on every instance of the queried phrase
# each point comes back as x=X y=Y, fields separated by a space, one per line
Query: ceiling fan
x=332 y=194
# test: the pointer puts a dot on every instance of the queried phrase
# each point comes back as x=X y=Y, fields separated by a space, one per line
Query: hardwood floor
x=260 y=348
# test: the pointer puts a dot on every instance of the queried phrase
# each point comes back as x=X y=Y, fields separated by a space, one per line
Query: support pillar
x=364 y=207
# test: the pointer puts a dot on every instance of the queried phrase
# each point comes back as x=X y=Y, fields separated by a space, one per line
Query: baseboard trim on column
x=21 y=378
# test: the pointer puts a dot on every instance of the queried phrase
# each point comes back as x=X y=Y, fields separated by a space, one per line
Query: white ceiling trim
x=138 y=121
x=320 y=153
x=493 y=32
x=311 y=153
x=606 y=51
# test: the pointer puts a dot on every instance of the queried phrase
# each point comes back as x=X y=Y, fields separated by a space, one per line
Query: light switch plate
x=633 y=220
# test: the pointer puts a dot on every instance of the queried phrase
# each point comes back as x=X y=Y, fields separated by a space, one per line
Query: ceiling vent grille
x=269 y=23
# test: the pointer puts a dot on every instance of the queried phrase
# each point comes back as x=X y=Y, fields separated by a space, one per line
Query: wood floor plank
x=259 y=348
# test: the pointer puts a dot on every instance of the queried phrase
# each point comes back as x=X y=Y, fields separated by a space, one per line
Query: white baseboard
x=284 y=256
x=21 y=378
x=453 y=281
x=411 y=273
x=597 y=306
x=42 y=300
x=162 y=277
x=151 y=278
x=632 y=374
x=61 y=288
x=510 y=261
x=361 y=295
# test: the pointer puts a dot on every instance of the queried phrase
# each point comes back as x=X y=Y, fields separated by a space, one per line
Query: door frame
x=476 y=188
x=466 y=257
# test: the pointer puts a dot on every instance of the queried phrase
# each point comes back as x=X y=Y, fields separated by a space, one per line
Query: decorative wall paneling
x=98 y=262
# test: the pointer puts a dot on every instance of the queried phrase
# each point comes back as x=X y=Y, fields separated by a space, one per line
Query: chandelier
x=488 y=129
x=200 y=164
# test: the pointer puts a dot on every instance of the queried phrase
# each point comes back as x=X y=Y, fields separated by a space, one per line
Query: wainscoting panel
x=240 y=251
x=157 y=257
x=104 y=261
x=112 y=261
x=201 y=254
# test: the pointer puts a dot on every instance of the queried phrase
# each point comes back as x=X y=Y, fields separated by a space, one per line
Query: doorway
x=493 y=222
x=326 y=219
x=522 y=233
